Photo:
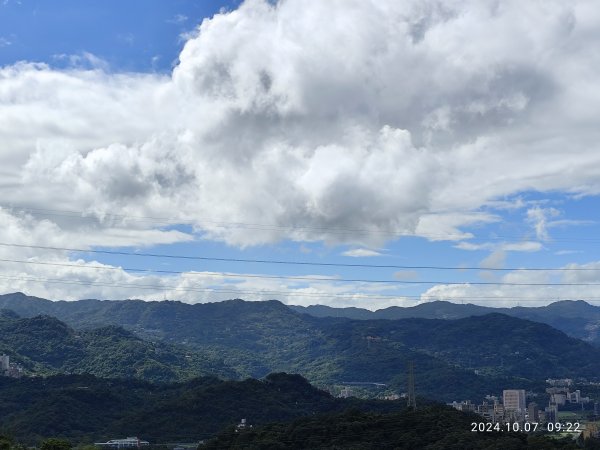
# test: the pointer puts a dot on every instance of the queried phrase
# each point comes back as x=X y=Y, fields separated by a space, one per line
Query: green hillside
x=494 y=344
x=453 y=359
x=84 y=408
x=575 y=318
x=45 y=345
x=434 y=427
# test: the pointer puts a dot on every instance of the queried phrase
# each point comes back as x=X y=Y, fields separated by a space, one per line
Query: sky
x=364 y=153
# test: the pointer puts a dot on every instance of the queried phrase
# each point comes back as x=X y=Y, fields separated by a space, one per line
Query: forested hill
x=86 y=409
x=453 y=359
x=434 y=427
x=44 y=345
x=576 y=318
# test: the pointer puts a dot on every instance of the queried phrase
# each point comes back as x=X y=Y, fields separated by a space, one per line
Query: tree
x=55 y=444
x=5 y=443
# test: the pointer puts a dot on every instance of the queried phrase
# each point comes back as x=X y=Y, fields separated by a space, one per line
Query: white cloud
x=583 y=286
x=508 y=205
x=523 y=246
x=27 y=229
x=59 y=279
x=538 y=218
x=4 y=42
x=255 y=100
x=178 y=19
x=472 y=246
x=349 y=122
x=361 y=253
x=494 y=260
x=83 y=60
x=445 y=226
x=582 y=273
x=68 y=278
x=260 y=99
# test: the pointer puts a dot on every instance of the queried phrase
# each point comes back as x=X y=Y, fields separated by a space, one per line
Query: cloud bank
x=344 y=121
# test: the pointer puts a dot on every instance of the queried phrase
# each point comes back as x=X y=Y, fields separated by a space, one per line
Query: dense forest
x=171 y=341
x=43 y=345
x=576 y=318
x=431 y=428
x=85 y=409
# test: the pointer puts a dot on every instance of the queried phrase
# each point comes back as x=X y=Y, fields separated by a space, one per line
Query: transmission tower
x=412 y=403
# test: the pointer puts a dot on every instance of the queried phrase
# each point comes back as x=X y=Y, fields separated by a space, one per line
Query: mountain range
x=576 y=318
x=453 y=359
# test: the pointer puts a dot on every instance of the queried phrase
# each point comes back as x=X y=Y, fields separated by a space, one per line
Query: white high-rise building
x=514 y=399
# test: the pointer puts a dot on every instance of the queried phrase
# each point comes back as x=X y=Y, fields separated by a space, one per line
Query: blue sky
x=299 y=132
x=136 y=35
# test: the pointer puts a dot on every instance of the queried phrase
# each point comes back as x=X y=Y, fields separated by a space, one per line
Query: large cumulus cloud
x=343 y=121
x=323 y=115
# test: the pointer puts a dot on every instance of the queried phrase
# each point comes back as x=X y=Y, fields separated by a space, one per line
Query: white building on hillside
x=129 y=442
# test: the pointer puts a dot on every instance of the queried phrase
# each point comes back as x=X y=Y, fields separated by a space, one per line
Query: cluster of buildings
x=9 y=369
x=135 y=442
x=128 y=442
x=513 y=406
x=561 y=395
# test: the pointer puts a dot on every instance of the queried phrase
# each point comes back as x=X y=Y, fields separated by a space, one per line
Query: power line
x=298 y=263
x=357 y=296
x=295 y=278
x=271 y=227
x=192 y=289
x=202 y=290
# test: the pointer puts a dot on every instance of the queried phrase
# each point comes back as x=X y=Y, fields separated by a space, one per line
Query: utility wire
x=269 y=227
x=294 y=278
x=297 y=263
x=218 y=290
x=427 y=298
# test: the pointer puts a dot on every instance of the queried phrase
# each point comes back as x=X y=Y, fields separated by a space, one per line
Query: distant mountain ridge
x=576 y=318
x=453 y=359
